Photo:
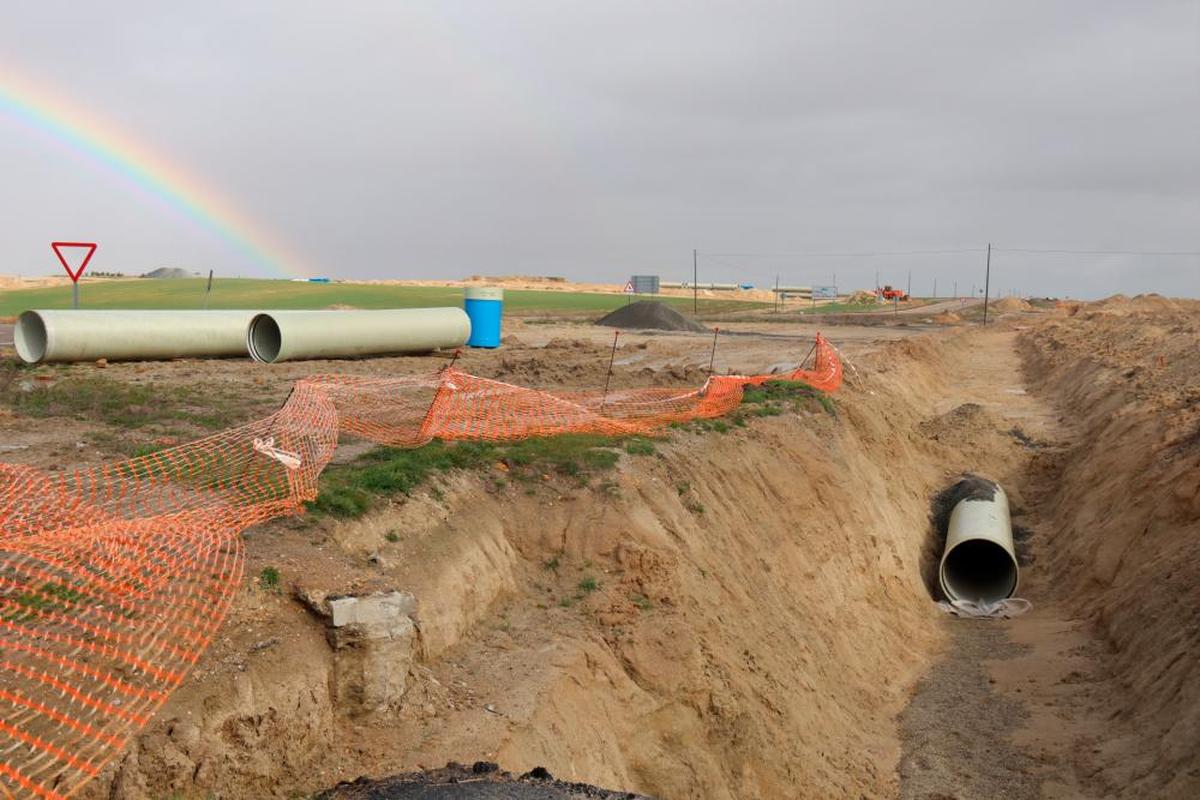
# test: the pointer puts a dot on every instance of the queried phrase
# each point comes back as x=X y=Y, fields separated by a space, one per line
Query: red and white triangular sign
x=628 y=287
x=62 y=259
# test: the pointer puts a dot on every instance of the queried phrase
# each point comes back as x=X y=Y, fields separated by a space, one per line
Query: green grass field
x=188 y=293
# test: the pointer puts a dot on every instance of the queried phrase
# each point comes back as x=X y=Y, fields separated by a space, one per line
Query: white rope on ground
x=984 y=609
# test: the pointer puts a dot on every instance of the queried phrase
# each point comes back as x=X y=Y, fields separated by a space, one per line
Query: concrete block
x=374 y=611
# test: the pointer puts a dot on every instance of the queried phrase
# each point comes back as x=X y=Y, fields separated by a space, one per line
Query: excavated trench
x=740 y=615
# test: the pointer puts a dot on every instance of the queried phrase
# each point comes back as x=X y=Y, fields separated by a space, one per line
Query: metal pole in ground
x=208 y=290
x=612 y=357
x=987 y=282
x=713 y=358
x=695 y=277
x=75 y=293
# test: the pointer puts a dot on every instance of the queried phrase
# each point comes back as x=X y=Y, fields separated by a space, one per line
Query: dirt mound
x=483 y=780
x=1012 y=304
x=650 y=315
x=946 y=318
x=861 y=296
x=1120 y=304
x=169 y=272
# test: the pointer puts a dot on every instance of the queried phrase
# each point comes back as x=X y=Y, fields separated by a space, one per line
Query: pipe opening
x=978 y=569
x=264 y=339
x=29 y=337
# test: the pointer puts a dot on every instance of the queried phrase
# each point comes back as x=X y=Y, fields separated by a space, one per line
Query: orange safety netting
x=114 y=579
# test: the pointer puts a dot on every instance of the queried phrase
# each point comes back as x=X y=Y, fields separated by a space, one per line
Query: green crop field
x=188 y=293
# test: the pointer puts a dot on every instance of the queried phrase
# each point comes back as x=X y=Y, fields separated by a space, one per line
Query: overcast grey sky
x=599 y=139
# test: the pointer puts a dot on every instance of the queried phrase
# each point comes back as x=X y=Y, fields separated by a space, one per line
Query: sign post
x=74 y=274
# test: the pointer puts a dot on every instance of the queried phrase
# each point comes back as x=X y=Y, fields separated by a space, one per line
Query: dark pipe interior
x=980 y=570
x=265 y=338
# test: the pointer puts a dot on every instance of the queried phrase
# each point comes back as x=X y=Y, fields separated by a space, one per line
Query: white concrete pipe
x=979 y=562
x=274 y=336
x=89 y=335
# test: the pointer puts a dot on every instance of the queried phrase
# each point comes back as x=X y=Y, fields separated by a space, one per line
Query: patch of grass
x=188 y=293
x=268 y=579
x=642 y=602
x=350 y=490
x=638 y=446
x=774 y=397
x=392 y=536
x=588 y=585
x=112 y=402
x=120 y=404
x=551 y=563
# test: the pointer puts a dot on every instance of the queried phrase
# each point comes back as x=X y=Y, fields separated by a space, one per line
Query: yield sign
x=62 y=259
x=628 y=287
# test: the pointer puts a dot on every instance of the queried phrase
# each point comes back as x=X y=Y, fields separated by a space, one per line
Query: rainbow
x=40 y=110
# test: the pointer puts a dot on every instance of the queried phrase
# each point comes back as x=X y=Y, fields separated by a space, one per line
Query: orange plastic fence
x=114 y=579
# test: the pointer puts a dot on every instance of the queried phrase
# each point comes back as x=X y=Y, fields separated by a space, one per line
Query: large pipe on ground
x=72 y=335
x=275 y=336
x=979 y=562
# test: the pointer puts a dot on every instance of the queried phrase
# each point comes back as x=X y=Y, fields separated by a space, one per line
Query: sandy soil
x=573 y=355
x=762 y=625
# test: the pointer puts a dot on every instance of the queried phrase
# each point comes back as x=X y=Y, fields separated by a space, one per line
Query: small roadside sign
x=74 y=274
x=628 y=287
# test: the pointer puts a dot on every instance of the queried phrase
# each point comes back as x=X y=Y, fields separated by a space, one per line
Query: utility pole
x=695 y=274
x=776 y=304
x=987 y=282
x=908 y=289
x=935 y=288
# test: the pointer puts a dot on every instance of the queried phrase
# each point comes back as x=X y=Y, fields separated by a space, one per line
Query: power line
x=960 y=251
x=1100 y=252
x=846 y=255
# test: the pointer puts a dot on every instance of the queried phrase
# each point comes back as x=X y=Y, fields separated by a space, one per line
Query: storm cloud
x=596 y=140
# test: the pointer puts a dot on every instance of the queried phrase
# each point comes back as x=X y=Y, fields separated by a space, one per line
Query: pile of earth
x=1013 y=304
x=947 y=317
x=650 y=315
x=483 y=780
x=169 y=272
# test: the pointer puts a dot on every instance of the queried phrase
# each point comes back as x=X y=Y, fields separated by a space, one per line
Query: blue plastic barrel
x=484 y=306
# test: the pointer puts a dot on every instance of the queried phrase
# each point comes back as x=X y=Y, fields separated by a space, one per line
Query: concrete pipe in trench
x=979 y=562
x=120 y=335
x=275 y=336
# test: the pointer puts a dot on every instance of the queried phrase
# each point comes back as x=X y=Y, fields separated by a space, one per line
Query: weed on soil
x=351 y=490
